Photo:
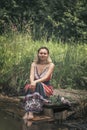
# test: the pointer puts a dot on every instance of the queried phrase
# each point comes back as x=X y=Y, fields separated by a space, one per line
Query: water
x=9 y=122
x=53 y=126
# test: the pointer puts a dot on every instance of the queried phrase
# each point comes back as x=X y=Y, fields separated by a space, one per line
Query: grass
x=18 y=50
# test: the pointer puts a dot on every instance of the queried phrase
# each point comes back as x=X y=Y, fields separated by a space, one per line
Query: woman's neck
x=43 y=62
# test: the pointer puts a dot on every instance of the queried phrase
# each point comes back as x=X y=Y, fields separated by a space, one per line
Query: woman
x=39 y=88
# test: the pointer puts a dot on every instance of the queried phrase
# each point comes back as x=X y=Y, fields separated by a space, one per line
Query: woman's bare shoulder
x=33 y=64
x=52 y=64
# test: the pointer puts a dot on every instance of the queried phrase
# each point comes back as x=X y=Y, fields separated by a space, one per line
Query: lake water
x=8 y=122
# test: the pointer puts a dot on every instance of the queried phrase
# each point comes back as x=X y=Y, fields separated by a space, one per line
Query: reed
x=17 y=51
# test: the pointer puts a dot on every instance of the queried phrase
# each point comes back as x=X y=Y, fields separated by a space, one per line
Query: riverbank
x=73 y=94
x=13 y=104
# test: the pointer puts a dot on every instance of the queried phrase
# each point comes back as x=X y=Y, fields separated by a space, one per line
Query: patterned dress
x=34 y=101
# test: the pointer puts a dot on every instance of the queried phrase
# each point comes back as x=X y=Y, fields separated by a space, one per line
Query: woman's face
x=43 y=54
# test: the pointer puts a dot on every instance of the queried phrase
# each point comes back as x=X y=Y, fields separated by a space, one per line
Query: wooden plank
x=42 y=118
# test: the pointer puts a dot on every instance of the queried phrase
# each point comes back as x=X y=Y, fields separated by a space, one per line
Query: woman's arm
x=32 y=72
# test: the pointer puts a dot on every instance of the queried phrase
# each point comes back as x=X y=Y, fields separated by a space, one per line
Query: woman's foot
x=25 y=116
x=30 y=116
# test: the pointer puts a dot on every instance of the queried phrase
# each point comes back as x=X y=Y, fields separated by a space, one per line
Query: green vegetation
x=55 y=19
x=18 y=50
x=61 y=25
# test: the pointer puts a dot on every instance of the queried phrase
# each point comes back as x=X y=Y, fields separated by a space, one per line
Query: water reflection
x=29 y=125
x=7 y=122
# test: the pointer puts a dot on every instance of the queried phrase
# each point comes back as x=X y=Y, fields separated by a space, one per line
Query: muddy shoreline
x=14 y=105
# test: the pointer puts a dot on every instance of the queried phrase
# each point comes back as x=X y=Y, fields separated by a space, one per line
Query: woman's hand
x=33 y=85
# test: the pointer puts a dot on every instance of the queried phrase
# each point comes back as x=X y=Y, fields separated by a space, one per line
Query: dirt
x=74 y=95
x=12 y=104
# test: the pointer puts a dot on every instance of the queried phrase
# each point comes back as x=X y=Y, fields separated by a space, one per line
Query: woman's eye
x=43 y=53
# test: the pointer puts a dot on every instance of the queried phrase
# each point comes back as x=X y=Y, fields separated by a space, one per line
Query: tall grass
x=18 y=50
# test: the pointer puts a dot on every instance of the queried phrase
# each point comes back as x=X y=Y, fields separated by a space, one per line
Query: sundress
x=34 y=101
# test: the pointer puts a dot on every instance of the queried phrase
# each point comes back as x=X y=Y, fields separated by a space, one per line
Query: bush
x=17 y=53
